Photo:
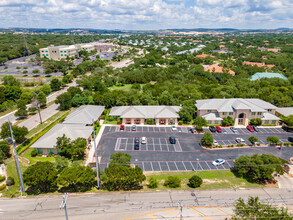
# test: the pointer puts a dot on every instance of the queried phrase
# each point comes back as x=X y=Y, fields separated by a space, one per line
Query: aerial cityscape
x=152 y=109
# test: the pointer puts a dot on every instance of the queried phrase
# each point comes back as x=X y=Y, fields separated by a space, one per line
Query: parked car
x=172 y=140
x=290 y=139
x=287 y=128
x=255 y=128
x=190 y=130
x=250 y=128
x=133 y=128
x=219 y=129
x=212 y=129
x=174 y=128
x=234 y=130
x=143 y=140
x=136 y=146
x=240 y=140
x=218 y=162
x=216 y=143
x=122 y=127
x=136 y=140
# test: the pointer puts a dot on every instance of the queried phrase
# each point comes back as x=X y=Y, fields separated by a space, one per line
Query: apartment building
x=62 y=52
x=240 y=110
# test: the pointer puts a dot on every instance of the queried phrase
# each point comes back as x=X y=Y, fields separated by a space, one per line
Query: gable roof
x=218 y=69
x=71 y=131
x=146 y=111
x=84 y=114
x=231 y=105
x=285 y=111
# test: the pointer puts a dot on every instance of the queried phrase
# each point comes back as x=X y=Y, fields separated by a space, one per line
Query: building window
x=61 y=55
x=209 y=111
x=273 y=122
x=230 y=113
x=43 y=54
x=252 y=113
x=42 y=51
x=47 y=55
x=46 y=51
x=266 y=122
x=61 y=51
x=65 y=55
x=224 y=113
x=209 y=122
x=40 y=151
x=64 y=51
x=259 y=113
x=216 y=123
x=269 y=110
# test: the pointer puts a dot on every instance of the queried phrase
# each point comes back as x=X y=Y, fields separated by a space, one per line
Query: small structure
x=218 y=69
x=240 y=110
x=160 y=115
x=46 y=143
x=85 y=114
x=258 y=76
x=204 y=56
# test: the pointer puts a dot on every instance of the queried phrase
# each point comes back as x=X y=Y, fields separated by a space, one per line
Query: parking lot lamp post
x=38 y=104
x=96 y=155
x=63 y=204
x=197 y=161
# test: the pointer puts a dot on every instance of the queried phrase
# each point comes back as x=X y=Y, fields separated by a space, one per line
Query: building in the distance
x=160 y=115
x=258 y=76
x=240 y=110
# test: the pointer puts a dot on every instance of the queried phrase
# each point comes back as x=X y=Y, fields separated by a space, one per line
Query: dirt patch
x=210 y=181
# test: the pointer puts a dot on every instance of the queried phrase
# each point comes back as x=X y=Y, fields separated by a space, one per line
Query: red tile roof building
x=258 y=64
x=218 y=69
x=205 y=55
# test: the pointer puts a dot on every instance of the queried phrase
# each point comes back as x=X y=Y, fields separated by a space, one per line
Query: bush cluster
x=172 y=182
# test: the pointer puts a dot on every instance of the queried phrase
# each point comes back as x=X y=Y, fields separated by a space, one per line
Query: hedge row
x=22 y=147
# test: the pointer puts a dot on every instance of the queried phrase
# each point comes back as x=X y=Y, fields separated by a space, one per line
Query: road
x=47 y=113
x=128 y=204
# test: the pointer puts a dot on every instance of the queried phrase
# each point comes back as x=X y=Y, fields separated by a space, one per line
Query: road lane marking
x=143 y=166
x=192 y=165
x=200 y=165
x=172 y=213
x=152 y=217
x=228 y=164
x=152 y=166
x=219 y=210
x=160 y=165
x=168 y=165
x=160 y=144
x=198 y=212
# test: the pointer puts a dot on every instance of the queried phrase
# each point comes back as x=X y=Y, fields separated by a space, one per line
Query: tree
x=55 y=85
x=10 y=81
x=78 y=178
x=258 y=168
x=254 y=209
x=252 y=139
x=21 y=112
x=207 y=140
x=41 y=177
x=153 y=183
x=61 y=163
x=74 y=90
x=255 y=121
x=71 y=149
x=186 y=113
x=199 y=122
x=273 y=140
x=120 y=158
x=288 y=120
x=19 y=133
x=64 y=100
x=228 y=121
x=4 y=151
x=172 y=182
x=195 y=181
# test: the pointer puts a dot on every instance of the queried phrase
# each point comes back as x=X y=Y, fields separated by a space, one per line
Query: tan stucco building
x=240 y=110
x=160 y=115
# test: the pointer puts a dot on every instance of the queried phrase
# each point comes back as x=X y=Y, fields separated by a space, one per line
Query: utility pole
x=197 y=161
x=96 y=156
x=38 y=104
x=63 y=204
x=16 y=160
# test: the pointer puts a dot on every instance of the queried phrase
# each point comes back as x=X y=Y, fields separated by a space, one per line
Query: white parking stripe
x=152 y=166
x=160 y=166
x=126 y=144
x=228 y=164
x=192 y=165
x=183 y=165
x=168 y=147
x=168 y=166
x=176 y=165
x=160 y=144
x=208 y=165
x=200 y=165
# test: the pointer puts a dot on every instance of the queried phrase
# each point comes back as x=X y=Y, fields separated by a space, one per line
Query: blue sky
x=146 y=14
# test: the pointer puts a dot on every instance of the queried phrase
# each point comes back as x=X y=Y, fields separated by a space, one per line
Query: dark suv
x=136 y=143
x=290 y=139
x=172 y=140
x=212 y=129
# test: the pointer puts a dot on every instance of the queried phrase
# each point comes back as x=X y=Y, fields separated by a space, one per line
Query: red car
x=121 y=127
x=250 y=128
x=219 y=130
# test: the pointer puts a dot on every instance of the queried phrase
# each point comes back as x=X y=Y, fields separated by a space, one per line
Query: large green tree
x=41 y=177
x=19 y=133
x=288 y=120
x=64 y=101
x=55 y=84
x=254 y=209
x=228 y=121
x=207 y=140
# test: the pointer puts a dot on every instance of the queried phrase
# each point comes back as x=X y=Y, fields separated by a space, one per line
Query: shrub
x=36 y=71
x=273 y=140
x=6 y=67
x=10 y=181
x=153 y=183
x=172 y=182
x=220 y=146
x=180 y=122
x=2 y=178
x=2 y=187
x=25 y=67
x=195 y=181
x=150 y=121
x=18 y=67
x=24 y=72
x=34 y=153
x=255 y=121
x=228 y=121
x=207 y=140
x=50 y=155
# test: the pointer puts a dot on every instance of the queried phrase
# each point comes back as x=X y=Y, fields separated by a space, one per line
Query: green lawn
x=220 y=179
x=33 y=160
x=122 y=88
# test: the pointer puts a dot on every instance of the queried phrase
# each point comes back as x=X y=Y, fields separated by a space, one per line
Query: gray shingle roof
x=285 y=111
x=269 y=116
x=231 y=105
x=84 y=114
x=71 y=131
x=145 y=111
x=212 y=117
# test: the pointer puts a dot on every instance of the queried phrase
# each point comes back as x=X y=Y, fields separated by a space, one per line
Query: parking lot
x=158 y=154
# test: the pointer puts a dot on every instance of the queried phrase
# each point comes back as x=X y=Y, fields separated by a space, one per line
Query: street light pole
x=16 y=160
x=197 y=161
x=63 y=204
x=96 y=155
x=38 y=104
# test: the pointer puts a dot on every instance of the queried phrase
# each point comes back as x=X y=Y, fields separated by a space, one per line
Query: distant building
x=285 y=111
x=218 y=69
x=258 y=76
x=160 y=115
x=205 y=55
x=240 y=110
x=258 y=64
x=222 y=51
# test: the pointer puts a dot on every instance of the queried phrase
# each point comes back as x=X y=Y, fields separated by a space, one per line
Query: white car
x=174 y=128
x=240 y=140
x=218 y=162
x=216 y=143
x=143 y=140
